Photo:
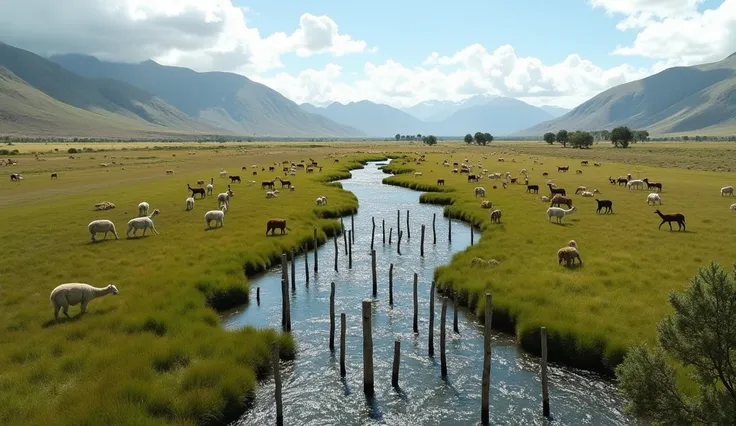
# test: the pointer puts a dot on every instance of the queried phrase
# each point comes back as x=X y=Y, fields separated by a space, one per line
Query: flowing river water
x=315 y=394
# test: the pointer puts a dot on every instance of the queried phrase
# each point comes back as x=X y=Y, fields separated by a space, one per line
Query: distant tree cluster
x=417 y=137
x=430 y=140
x=621 y=137
x=480 y=138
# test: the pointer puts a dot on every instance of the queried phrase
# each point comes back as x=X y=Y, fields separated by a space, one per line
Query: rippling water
x=315 y=394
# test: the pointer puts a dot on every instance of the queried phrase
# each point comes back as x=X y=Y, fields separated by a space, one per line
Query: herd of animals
x=558 y=196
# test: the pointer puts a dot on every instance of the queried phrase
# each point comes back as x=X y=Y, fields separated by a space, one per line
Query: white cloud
x=201 y=34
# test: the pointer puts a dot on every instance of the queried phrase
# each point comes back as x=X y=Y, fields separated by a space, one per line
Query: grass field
x=594 y=312
x=155 y=353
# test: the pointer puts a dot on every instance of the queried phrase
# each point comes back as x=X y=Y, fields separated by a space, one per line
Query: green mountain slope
x=225 y=100
x=112 y=98
x=676 y=100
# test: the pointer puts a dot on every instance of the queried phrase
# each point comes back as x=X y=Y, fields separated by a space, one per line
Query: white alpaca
x=292 y=188
x=224 y=198
x=727 y=190
x=544 y=199
x=71 y=294
x=270 y=194
x=523 y=172
x=143 y=209
x=320 y=201
x=733 y=207
x=639 y=184
x=479 y=191
x=101 y=226
x=190 y=203
x=586 y=194
x=223 y=173
x=217 y=215
x=211 y=186
x=142 y=223
x=559 y=213
x=654 y=199
x=418 y=174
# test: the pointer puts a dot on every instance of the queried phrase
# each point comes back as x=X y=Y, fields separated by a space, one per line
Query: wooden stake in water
x=344 y=236
x=306 y=263
x=336 y=250
x=443 y=358
x=316 y=244
x=332 y=317
x=455 y=308
x=258 y=296
x=395 y=372
x=277 y=380
x=352 y=228
x=391 y=285
x=421 y=244
x=449 y=229
x=342 y=344
x=545 y=382
x=285 y=268
x=430 y=345
x=398 y=243
x=398 y=221
x=416 y=303
x=373 y=270
x=434 y=228
x=367 y=349
x=390 y=233
x=350 y=251
x=383 y=228
x=373 y=232
x=486 y=378
x=472 y=235
x=293 y=270
x=408 y=230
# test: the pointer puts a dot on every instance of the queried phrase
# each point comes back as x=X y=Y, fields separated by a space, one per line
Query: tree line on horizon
x=620 y=137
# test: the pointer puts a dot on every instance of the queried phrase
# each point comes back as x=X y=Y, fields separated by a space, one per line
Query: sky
x=400 y=52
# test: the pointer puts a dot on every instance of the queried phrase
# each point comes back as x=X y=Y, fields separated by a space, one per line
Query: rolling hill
x=500 y=116
x=373 y=119
x=681 y=99
x=224 y=100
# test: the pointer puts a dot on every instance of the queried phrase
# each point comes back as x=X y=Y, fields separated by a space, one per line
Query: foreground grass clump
x=155 y=353
x=596 y=312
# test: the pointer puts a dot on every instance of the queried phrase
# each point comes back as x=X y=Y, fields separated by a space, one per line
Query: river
x=315 y=394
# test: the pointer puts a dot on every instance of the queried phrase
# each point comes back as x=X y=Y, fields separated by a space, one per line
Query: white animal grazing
x=654 y=199
x=733 y=207
x=217 y=215
x=71 y=294
x=480 y=191
x=142 y=223
x=224 y=198
x=321 y=201
x=143 y=209
x=635 y=183
x=587 y=194
x=496 y=216
x=417 y=174
x=270 y=194
x=544 y=199
x=190 y=203
x=559 y=213
x=223 y=173
x=211 y=186
x=727 y=190
x=101 y=226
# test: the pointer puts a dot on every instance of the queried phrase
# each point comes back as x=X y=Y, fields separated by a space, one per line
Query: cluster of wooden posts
x=368 y=383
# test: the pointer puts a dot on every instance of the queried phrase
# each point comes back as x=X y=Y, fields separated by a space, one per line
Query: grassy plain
x=155 y=353
x=595 y=312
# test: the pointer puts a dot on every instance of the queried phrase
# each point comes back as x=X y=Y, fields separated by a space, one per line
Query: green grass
x=155 y=353
x=593 y=313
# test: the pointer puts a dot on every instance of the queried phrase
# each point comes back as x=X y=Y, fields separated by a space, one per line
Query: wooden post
x=545 y=382
x=391 y=285
x=285 y=268
x=443 y=358
x=293 y=270
x=486 y=378
x=306 y=263
x=398 y=243
x=332 y=317
x=336 y=250
x=373 y=232
x=258 y=296
x=390 y=233
x=277 y=379
x=434 y=228
x=352 y=228
x=449 y=229
x=421 y=245
x=408 y=230
x=456 y=307
x=342 y=344
x=472 y=235
x=398 y=221
x=373 y=269
x=430 y=345
x=383 y=228
x=316 y=261
x=416 y=303
x=395 y=372
x=350 y=251
x=367 y=349
x=344 y=236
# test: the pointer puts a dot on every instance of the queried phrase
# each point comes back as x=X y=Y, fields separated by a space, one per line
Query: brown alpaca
x=273 y=224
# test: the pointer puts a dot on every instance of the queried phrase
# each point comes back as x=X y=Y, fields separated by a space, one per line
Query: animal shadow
x=74 y=318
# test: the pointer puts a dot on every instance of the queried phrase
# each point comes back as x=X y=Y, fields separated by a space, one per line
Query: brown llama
x=558 y=199
x=555 y=191
x=273 y=224
x=669 y=218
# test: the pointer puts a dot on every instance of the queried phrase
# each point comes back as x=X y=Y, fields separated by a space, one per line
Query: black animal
x=563 y=168
x=532 y=188
x=651 y=185
x=54 y=176
x=622 y=181
x=472 y=178
x=669 y=218
x=604 y=204
x=234 y=179
x=285 y=183
x=196 y=191
x=555 y=191
x=267 y=184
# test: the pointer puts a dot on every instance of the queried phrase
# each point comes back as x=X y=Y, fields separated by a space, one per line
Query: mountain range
x=78 y=95
x=699 y=98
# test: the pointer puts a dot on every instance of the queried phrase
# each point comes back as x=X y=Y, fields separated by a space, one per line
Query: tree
x=621 y=137
x=549 y=137
x=468 y=139
x=480 y=138
x=398 y=136
x=430 y=140
x=488 y=137
x=641 y=136
x=562 y=137
x=701 y=335
x=605 y=135
x=580 y=139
